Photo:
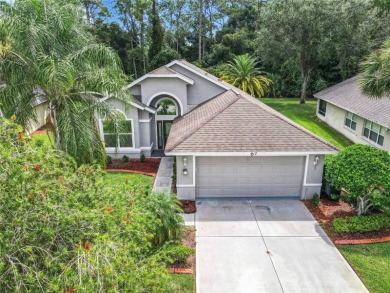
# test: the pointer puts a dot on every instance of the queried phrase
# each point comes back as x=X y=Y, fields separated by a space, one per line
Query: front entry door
x=163 y=128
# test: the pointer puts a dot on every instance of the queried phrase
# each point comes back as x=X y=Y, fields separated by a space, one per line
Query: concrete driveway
x=266 y=246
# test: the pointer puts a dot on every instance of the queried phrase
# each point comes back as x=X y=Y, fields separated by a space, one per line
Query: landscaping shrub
x=335 y=197
x=142 y=158
x=39 y=142
x=315 y=200
x=364 y=172
x=178 y=254
x=125 y=159
x=108 y=160
x=361 y=224
x=63 y=230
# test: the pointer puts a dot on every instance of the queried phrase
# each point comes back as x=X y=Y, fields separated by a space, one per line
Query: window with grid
x=350 y=120
x=374 y=132
x=118 y=132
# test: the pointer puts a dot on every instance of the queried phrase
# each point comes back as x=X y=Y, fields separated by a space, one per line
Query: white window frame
x=112 y=149
x=380 y=133
x=167 y=117
x=352 y=119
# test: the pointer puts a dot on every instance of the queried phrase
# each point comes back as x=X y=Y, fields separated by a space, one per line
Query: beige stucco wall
x=42 y=112
x=335 y=117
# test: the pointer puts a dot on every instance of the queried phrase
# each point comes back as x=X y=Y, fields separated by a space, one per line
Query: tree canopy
x=375 y=74
x=47 y=50
x=304 y=45
x=359 y=169
x=243 y=73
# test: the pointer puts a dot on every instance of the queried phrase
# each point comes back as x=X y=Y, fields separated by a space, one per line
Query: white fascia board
x=150 y=110
x=137 y=106
x=198 y=73
x=151 y=75
x=249 y=154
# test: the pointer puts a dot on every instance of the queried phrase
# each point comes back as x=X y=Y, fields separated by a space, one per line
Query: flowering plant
x=63 y=230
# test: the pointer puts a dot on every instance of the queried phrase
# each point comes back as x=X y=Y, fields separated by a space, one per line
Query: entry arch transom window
x=166 y=108
x=118 y=132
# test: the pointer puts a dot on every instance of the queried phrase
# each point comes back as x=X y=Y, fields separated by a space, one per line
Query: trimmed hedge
x=361 y=224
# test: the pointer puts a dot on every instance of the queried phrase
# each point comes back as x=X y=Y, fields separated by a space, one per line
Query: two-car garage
x=235 y=146
x=249 y=176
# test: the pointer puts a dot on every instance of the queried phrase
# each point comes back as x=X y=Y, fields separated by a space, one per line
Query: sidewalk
x=163 y=181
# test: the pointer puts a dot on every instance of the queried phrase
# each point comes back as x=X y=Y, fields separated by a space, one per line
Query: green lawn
x=44 y=138
x=305 y=115
x=128 y=181
x=185 y=283
x=372 y=263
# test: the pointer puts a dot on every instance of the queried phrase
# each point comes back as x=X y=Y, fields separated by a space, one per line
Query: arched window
x=118 y=131
x=166 y=106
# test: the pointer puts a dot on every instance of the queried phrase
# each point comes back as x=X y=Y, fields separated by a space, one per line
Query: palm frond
x=243 y=73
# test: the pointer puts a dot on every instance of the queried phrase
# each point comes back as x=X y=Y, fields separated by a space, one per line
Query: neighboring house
x=226 y=143
x=363 y=120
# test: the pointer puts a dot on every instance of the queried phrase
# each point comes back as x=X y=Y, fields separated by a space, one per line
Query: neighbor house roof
x=162 y=72
x=347 y=95
x=236 y=122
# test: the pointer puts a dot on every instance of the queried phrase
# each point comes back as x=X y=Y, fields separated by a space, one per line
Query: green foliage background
x=61 y=227
x=359 y=168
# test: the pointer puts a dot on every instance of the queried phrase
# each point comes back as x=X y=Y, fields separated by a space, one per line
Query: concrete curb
x=180 y=271
x=362 y=241
x=130 y=171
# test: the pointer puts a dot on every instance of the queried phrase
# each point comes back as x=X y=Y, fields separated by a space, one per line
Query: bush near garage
x=363 y=171
x=361 y=224
x=62 y=230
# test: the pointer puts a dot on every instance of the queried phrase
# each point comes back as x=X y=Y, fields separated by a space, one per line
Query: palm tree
x=244 y=74
x=375 y=73
x=46 y=48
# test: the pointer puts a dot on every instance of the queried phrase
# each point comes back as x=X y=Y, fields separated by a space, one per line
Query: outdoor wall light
x=316 y=161
x=185 y=171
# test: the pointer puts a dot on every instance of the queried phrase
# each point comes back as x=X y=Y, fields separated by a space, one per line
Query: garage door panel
x=249 y=176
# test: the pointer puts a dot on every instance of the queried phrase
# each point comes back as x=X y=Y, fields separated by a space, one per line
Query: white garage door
x=249 y=176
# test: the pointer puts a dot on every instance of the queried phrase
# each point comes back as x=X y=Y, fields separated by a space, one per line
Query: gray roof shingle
x=236 y=122
x=348 y=96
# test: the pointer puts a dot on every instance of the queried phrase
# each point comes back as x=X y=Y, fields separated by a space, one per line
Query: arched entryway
x=167 y=109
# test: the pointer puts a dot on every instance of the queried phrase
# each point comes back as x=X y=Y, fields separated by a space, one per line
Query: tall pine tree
x=157 y=34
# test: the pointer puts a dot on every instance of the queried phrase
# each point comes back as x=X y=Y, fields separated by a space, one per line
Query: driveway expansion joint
x=265 y=244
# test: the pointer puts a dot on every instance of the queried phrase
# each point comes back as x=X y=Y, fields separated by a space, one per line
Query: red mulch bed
x=48 y=127
x=149 y=167
x=329 y=209
x=188 y=239
x=188 y=206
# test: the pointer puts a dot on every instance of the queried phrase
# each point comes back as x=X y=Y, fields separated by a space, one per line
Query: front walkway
x=163 y=181
x=266 y=246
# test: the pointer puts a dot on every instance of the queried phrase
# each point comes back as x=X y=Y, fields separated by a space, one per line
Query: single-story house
x=226 y=143
x=360 y=118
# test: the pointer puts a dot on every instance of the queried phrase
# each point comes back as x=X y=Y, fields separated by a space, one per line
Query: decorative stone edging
x=362 y=241
x=130 y=171
x=180 y=271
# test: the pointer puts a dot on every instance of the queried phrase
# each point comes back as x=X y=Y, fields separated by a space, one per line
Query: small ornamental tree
x=63 y=230
x=364 y=172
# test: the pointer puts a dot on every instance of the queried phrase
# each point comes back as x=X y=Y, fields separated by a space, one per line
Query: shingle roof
x=348 y=96
x=236 y=122
x=163 y=70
